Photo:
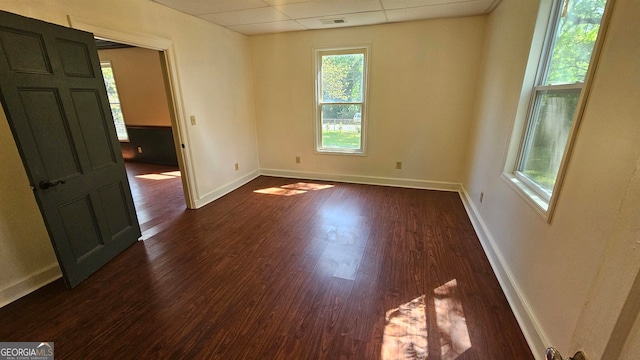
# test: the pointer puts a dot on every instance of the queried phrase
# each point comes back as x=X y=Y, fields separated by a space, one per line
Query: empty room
x=355 y=179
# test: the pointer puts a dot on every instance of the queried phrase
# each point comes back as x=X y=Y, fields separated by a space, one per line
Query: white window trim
x=539 y=199
x=525 y=179
x=317 y=68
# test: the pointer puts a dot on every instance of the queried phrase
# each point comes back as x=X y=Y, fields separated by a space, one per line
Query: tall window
x=341 y=94
x=571 y=36
x=114 y=101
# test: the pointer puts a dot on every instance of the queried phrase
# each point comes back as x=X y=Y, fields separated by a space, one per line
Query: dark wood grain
x=307 y=276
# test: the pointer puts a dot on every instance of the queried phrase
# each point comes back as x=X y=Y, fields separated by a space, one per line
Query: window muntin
x=114 y=101
x=555 y=98
x=340 y=102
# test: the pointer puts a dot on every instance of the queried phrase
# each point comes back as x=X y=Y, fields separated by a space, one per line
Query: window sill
x=539 y=204
x=339 y=152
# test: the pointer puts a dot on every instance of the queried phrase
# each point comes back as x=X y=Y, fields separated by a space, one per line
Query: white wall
x=570 y=278
x=214 y=70
x=27 y=256
x=422 y=84
x=140 y=83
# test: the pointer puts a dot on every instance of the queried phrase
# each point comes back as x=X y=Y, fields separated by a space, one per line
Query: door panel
x=113 y=198
x=93 y=126
x=53 y=94
x=75 y=58
x=46 y=119
x=79 y=219
x=29 y=55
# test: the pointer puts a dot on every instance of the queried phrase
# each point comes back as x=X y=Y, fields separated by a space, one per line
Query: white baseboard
x=30 y=284
x=533 y=333
x=368 y=180
x=225 y=189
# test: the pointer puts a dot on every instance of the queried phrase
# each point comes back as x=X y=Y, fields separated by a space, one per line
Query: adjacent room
x=366 y=179
x=139 y=101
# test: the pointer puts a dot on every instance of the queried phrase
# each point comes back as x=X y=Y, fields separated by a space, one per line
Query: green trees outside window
x=114 y=101
x=341 y=97
x=573 y=30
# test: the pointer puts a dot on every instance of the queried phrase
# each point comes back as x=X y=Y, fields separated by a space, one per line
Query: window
x=341 y=83
x=556 y=95
x=114 y=101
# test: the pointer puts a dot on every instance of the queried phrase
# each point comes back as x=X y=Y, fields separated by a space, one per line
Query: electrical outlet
x=481 y=196
x=237 y=167
x=297 y=159
x=193 y=119
x=139 y=149
x=398 y=165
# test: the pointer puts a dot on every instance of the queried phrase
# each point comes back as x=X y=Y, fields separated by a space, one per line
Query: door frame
x=172 y=84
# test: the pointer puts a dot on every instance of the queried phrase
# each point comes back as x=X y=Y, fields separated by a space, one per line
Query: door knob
x=48 y=184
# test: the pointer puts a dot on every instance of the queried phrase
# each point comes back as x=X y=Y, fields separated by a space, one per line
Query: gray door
x=54 y=97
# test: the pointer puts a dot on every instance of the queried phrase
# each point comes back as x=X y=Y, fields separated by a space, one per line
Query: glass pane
x=578 y=26
x=341 y=126
x=114 y=101
x=118 y=120
x=342 y=78
x=110 y=84
x=547 y=136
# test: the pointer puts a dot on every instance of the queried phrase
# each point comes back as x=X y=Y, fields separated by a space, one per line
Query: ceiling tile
x=198 y=7
x=269 y=16
x=367 y=18
x=437 y=11
x=400 y=4
x=327 y=7
x=243 y=17
x=268 y=28
x=284 y=2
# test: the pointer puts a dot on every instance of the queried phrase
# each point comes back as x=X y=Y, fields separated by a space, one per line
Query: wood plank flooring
x=301 y=272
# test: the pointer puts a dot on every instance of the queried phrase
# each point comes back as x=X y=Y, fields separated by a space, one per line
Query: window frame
x=364 y=49
x=526 y=140
x=542 y=200
x=107 y=64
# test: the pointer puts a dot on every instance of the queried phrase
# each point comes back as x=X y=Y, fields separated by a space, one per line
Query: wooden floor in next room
x=282 y=269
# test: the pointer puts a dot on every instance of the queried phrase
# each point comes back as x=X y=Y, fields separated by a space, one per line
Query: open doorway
x=140 y=103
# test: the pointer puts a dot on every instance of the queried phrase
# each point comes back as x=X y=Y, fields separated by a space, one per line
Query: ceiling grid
x=253 y=17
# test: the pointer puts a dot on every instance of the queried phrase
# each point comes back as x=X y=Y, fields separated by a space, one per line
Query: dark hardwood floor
x=296 y=272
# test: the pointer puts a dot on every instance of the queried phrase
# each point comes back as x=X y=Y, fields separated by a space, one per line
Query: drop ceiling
x=253 y=17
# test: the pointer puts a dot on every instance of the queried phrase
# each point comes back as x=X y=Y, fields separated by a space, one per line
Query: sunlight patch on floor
x=161 y=176
x=405 y=332
x=293 y=189
x=307 y=186
x=279 y=191
x=452 y=325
